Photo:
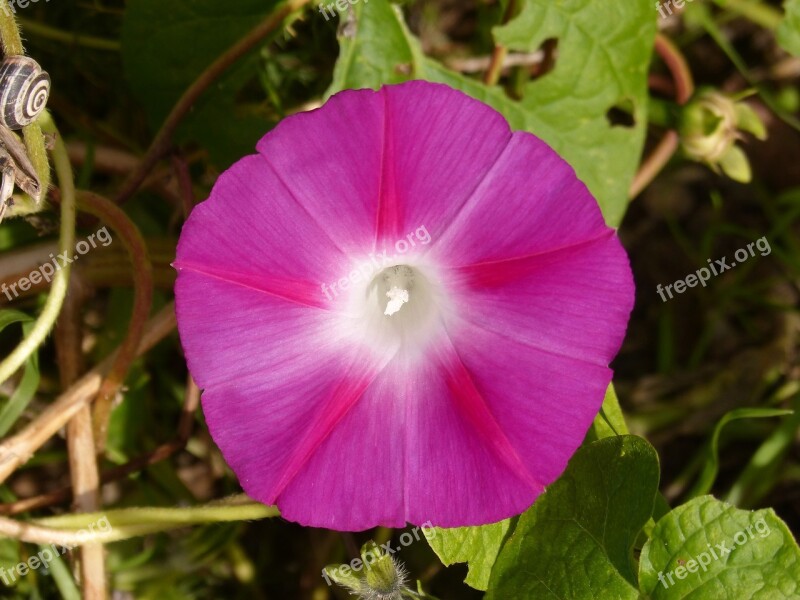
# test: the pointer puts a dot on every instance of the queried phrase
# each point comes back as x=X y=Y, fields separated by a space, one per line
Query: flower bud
x=710 y=126
x=384 y=578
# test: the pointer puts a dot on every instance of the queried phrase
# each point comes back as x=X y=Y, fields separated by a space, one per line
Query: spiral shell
x=24 y=89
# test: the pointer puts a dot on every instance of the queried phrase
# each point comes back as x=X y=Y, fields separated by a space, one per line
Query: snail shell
x=24 y=89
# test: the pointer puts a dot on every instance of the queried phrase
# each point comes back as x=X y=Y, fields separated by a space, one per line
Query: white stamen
x=397 y=297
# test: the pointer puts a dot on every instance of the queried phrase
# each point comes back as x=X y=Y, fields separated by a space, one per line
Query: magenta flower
x=399 y=310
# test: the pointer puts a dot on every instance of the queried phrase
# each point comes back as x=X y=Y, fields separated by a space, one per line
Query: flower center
x=398 y=282
x=401 y=308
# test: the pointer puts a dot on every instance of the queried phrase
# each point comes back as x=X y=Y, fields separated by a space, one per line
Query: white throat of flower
x=397 y=310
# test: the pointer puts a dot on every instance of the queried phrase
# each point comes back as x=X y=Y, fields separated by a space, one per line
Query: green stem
x=9 y=33
x=37 y=152
x=66 y=244
x=76 y=39
x=115 y=525
x=757 y=12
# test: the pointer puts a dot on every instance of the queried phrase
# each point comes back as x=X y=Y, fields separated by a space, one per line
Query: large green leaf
x=603 y=57
x=707 y=549
x=577 y=539
x=165 y=50
x=789 y=30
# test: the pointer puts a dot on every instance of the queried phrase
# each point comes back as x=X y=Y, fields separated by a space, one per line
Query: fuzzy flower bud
x=383 y=578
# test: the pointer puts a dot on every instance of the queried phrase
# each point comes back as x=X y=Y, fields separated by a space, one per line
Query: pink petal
x=331 y=161
x=252 y=228
x=439 y=145
x=529 y=203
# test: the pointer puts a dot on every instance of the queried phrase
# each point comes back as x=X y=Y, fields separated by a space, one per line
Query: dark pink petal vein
x=400 y=311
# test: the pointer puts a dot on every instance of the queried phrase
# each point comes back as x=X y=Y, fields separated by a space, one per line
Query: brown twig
x=181 y=169
x=478 y=64
x=114 y=161
x=80 y=442
x=161 y=144
x=185 y=425
x=17 y=449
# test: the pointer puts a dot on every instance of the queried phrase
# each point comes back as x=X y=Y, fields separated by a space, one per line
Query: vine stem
x=122 y=524
x=678 y=68
x=9 y=34
x=66 y=244
x=684 y=89
x=77 y=39
x=657 y=160
x=160 y=145
x=500 y=52
x=142 y=270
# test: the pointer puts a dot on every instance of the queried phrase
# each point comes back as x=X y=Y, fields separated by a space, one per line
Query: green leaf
x=764 y=469
x=9 y=317
x=711 y=467
x=25 y=390
x=604 y=52
x=788 y=33
x=477 y=546
x=603 y=56
x=62 y=577
x=577 y=539
x=164 y=51
x=710 y=549
x=381 y=52
x=735 y=165
x=609 y=421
